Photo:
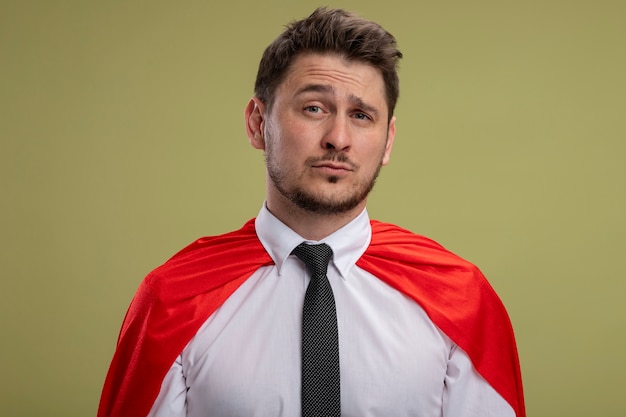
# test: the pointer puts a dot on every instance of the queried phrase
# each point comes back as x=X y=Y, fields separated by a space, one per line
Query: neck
x=310 y=225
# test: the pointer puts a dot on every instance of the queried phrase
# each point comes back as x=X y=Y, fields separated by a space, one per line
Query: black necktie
x=320 y=340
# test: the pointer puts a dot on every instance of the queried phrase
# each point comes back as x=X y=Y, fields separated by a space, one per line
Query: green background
x=122 y=139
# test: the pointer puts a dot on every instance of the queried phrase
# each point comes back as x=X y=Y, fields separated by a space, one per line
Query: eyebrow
x=328 y=89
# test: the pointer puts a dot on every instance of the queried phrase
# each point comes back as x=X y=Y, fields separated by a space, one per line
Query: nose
x=337 y=135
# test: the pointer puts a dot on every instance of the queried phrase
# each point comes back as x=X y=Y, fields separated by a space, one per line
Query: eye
x=361 y=116
x=313 y=109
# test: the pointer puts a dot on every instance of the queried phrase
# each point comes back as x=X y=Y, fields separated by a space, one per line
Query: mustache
x=332 y=156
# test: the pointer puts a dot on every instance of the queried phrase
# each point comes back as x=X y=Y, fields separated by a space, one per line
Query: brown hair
x=330 y=31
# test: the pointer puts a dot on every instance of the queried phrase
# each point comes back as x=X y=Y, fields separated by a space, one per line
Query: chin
x=319 y=205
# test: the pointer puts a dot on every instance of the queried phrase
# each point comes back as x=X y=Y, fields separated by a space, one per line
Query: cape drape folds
x=171 y=304
x=457 y=298
x=175 y=299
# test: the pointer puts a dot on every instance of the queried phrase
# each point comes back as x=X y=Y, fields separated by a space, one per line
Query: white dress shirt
x=245 y=359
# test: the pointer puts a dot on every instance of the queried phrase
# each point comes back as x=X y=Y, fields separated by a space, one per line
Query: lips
x=334 y=166
x=333 y=161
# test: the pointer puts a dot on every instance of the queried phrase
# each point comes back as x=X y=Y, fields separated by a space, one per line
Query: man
x=409 y=328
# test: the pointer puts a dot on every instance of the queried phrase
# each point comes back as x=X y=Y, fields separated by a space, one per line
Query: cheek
x=377 y=155
x=281 y=153
x=295 y=144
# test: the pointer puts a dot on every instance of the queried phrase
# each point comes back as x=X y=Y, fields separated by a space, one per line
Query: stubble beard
x=312 y=203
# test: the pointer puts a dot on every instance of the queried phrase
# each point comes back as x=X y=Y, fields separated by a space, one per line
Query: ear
x=391 y=135
x=254 y=116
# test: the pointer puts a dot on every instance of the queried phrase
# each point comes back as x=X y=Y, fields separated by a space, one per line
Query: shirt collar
x=347 y=243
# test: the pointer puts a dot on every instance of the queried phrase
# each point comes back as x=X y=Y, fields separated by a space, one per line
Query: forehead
x=343 y=75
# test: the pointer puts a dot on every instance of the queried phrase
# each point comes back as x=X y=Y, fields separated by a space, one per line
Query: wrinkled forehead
x=332 y=75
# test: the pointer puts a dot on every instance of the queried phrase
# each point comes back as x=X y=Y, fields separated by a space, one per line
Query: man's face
x=327 y=135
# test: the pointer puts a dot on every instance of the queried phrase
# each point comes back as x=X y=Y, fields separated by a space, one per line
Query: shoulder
x=216 y=259
x=422 y=268
x=392 y=233
x=435 y=277
x=218 y=244
x=399 y=244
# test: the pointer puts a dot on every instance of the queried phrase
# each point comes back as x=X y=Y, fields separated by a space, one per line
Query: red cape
x=175 y=299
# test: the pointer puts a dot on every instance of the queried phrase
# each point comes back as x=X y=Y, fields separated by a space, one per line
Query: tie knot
x=315 y=257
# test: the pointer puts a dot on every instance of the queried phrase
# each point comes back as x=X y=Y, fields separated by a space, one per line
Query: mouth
x=334 y=164
x=333 y=168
